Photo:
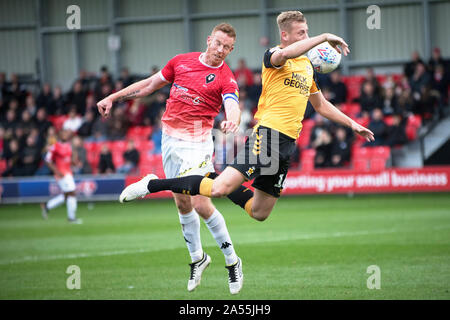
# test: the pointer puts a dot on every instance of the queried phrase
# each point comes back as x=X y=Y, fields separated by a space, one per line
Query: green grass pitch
x=311 y=247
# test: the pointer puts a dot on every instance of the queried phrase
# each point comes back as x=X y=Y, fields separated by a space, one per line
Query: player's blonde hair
x=225 y=28
x=285 y=19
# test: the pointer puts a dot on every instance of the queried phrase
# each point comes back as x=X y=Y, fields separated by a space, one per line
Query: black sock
x=186 y=185
x=240 y=196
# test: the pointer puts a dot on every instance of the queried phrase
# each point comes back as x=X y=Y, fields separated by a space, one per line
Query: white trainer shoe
x=235 y=277
x=136 y=190
x=197 y=269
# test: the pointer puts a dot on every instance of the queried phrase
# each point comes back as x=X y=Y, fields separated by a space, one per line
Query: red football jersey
x=196 y=95
x=61 y=155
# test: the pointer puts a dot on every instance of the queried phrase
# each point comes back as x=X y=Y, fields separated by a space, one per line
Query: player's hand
x=338 y=43
x=362 y=131
x=105 y=106
x=229 y=127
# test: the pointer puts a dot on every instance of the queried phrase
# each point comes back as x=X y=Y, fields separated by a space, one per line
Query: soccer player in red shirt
x=59 y=160
x=202 y=81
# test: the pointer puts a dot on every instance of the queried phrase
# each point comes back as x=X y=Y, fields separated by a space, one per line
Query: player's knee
x=259 y=217
x=184 y=205
x=219 y=191
x=259 y=214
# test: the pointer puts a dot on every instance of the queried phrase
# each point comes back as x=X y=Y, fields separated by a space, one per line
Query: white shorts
x=185 y=158
x=67 y=183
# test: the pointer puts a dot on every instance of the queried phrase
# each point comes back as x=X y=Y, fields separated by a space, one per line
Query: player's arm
x=299 y=48
x=329 y=111
x=233 y=114
x=51 y=165
x=136 y=90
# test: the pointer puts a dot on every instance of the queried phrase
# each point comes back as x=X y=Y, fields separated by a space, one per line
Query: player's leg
x=216 y=224
x=69 y=189
x=262 y=205
x=52 y=204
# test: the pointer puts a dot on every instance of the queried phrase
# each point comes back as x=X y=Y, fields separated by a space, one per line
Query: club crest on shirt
x=210 y=78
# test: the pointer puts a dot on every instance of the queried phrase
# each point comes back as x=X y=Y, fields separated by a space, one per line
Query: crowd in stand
x=26 y=128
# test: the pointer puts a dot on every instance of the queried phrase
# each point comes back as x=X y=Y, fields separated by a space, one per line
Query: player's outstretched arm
x=299 y=48
x=136 y=90
x=329 y=111
x=233 y=114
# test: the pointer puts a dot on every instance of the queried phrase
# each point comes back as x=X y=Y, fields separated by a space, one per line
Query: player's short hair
x=285 y=19
x=225 y=28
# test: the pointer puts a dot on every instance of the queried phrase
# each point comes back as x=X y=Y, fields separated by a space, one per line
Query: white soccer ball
x=324 y=58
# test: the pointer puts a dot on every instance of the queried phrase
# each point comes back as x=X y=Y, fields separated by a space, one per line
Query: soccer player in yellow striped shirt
x=288 y=83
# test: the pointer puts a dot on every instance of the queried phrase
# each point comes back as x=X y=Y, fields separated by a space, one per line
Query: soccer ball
x=324 y=58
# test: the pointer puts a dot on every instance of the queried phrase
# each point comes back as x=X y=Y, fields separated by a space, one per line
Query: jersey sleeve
x=168 y=72
x=267 y=55
x=315 y=85
x=230 y=89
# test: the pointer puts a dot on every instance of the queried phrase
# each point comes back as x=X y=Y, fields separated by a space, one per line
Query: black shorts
x=265 y=157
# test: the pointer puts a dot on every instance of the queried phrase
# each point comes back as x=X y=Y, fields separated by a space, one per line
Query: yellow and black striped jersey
x=285 y=93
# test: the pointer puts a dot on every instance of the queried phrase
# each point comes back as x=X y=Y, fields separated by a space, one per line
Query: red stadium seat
x=378 y=157
x=58 y=121
x=305 y=134
x=353 y=84
x=307 y=159
x=3 y=165
x=360 y=158
x=412 y=126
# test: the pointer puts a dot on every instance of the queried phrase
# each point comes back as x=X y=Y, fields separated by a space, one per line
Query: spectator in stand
x=378 y=127
x=125 y=77
x=254 y=91
x=58 y=104
x=99 y=130
x=12 y=157
x=117 y=125
x=45 y=97
x=86 y=129
x=131 y=159
x=405 y=102
x=419 y=80
x=27 y=122
x=77 y=97
x=80 y=164
x=74 y=122
x=106 y=164
x=19 y=134
x=90 y=104
x=396 y=133
x=104 y=85
x=243 y=75
x=389 y=105
x=30 y=157
x=134 y=112
x=320 y=124
x=153 y=111
x=4 y=85
x=436 y=60
x=30 y=105
x=323 y=145
x=371 y=77
x=440 y=83
x=338 y=90
x=369 y=99
x=410 y=67
x=10 y=123
x=41 y=122
x=17 y=90
x=340 y=150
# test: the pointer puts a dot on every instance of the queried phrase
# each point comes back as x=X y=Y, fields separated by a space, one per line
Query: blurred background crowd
x=393 y=106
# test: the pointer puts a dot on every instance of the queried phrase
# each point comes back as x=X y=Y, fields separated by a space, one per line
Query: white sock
x=190 y=224
x=216 y=224
x=55 y=202
x=71 y=207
